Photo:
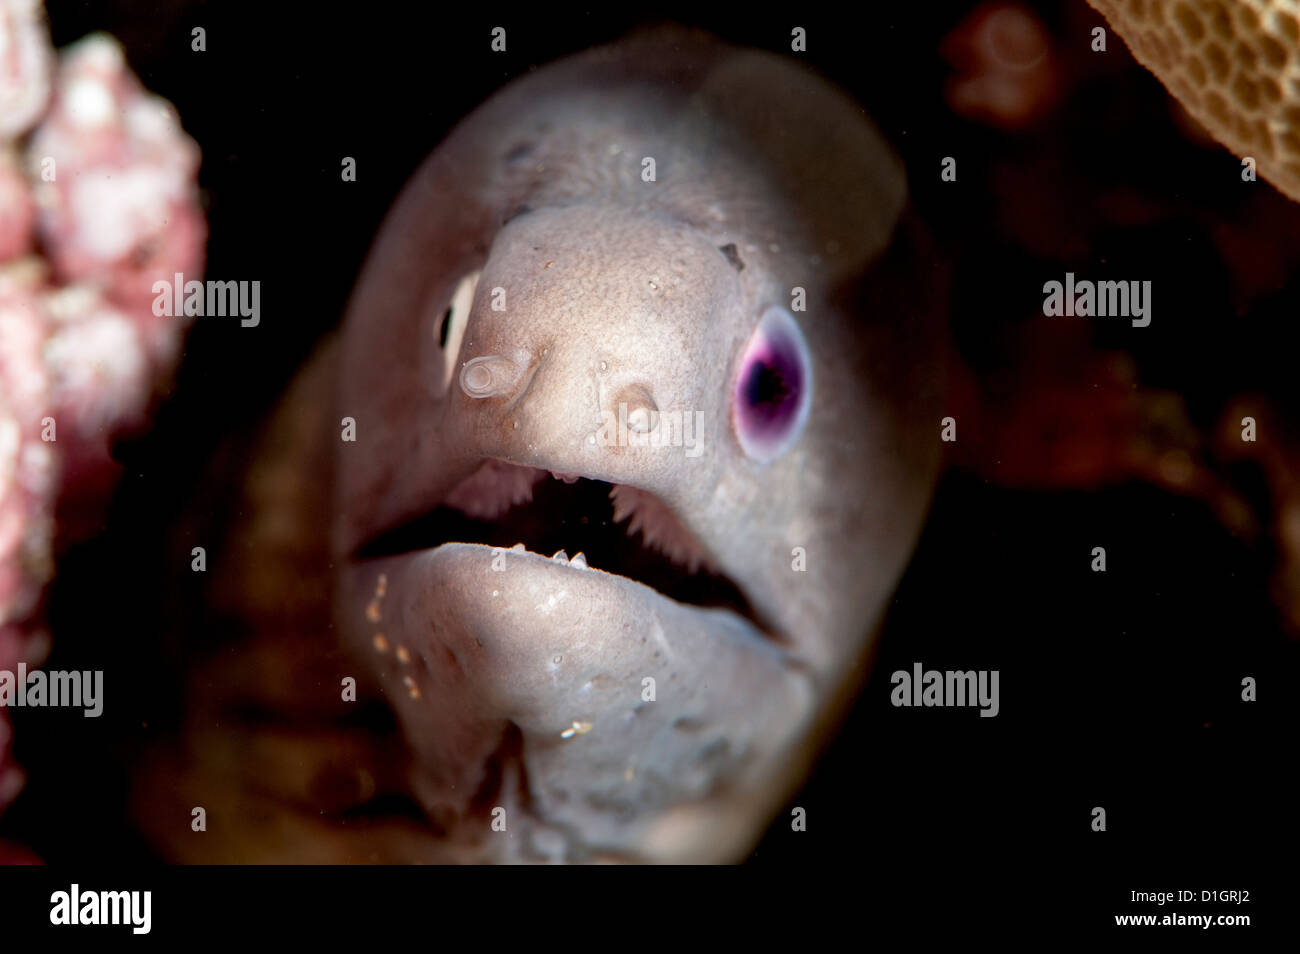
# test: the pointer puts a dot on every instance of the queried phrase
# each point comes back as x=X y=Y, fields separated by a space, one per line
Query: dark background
x=1119 y=689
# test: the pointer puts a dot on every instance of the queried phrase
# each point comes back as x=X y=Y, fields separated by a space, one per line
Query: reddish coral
x=1006 y=72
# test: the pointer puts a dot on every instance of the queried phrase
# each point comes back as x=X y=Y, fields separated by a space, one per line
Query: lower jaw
x=626 y=708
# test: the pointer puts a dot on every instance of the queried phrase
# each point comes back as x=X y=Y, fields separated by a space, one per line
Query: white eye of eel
x=449 y=331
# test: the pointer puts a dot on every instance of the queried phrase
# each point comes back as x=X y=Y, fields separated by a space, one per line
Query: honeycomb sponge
x=1235 y=65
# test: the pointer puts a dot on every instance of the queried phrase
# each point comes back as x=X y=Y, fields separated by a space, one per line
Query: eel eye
x=774 y=387
x=449 y=329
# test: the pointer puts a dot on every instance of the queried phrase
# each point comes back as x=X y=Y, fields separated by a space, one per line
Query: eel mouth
x=582 y=522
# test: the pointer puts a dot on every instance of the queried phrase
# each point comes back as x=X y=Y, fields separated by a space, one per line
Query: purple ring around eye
x=773 y=389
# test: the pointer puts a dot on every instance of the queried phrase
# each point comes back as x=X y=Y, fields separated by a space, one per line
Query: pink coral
x=98 y=200
x=17 y=209
x=25 y=63
x=28 y=478
x=116 y=187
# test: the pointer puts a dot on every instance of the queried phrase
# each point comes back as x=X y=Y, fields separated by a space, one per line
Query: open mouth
x=584 y=522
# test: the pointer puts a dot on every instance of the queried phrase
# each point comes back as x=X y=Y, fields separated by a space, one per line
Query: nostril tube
x=490 y=376
x=642 y=411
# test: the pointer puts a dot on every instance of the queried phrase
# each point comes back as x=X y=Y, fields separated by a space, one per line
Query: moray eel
x=663 y=307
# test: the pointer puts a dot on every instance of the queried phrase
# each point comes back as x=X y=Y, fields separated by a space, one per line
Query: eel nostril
x=490 y=376
x=642 y=411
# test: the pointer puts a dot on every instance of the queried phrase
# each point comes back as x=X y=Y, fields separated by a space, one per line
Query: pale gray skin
x=615 y=283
